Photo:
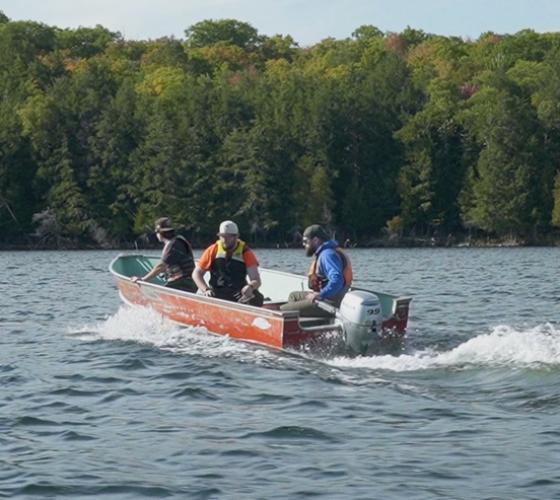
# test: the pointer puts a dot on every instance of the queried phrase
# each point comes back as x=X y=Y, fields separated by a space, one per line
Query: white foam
x=504 y=346
x=147 y=326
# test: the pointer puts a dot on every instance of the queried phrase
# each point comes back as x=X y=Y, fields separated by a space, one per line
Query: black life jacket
x=228 y=269
x=182 y=260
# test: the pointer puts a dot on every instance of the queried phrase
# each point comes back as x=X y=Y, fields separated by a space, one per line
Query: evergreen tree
x=504 y=196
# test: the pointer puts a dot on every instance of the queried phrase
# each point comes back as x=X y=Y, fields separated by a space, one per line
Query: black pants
x=186 y=284
x=234 y=295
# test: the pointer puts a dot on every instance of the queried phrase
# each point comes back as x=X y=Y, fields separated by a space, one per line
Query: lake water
x=101 y=400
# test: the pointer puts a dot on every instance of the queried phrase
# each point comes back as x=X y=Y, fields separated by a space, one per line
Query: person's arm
x=198 y=278
x=254 y=277
x=253 y=283
x=252 y=266
x=203 y=265
x=331 y=264
x=157 y=269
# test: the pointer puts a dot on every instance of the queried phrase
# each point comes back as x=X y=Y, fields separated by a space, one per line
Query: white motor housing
x=362 y=319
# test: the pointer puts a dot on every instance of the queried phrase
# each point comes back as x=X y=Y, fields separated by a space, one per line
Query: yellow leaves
x=395 y=226
x=73 y=64
x=164 y=82
x=277 y=67
x=395 y=42
x=421 y=54
x=338 y=73
x=236 y=58
x=441 y=58
x=36 y=114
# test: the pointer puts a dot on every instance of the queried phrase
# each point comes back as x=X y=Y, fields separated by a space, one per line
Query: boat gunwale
x=223 y=304
x=352 y=288
x=286 y=315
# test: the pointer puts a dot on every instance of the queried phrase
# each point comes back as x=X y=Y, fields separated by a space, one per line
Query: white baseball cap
x=228 y=227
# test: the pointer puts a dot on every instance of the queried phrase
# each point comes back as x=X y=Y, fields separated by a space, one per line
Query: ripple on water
x=548 y=403
x=48 y=406
x=265 y=399
x=150 y=410
x=173 y=375
x=305 y=404
x=550 y=434
x=541 y=482
x=121 y=393
x=238 y=452
x=76 y=436
x=292 y=432
x=12 y=380
x=34 y=422
x=133 y=364
x=194 y=393
x=72 y=392
x=46 y=489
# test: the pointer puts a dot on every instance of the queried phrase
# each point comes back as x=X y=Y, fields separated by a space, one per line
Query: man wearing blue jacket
x=330 y=274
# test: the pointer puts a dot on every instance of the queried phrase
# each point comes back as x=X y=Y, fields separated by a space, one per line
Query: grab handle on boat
x=326 y=307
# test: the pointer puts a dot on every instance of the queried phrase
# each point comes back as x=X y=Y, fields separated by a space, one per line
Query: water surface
x=99 y=399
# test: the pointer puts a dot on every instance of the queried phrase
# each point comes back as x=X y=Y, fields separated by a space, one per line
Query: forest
x=386 y=138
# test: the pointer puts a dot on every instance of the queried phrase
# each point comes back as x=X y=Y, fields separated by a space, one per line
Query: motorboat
x=364 y=320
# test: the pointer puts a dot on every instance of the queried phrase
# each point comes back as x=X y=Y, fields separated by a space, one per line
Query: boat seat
x=275 y=306
x=309 y=321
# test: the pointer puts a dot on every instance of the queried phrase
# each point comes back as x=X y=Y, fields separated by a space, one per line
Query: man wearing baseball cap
x=233 y=267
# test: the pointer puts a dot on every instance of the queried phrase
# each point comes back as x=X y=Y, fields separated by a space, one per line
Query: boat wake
x=504 y=346
x=146 y=326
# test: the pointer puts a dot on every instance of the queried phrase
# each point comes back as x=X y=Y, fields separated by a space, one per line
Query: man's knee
x=297 y=296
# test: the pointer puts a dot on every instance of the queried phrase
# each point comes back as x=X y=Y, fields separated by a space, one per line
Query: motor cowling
x=362 y=319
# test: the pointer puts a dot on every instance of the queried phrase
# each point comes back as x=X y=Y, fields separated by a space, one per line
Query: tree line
x=380 y=135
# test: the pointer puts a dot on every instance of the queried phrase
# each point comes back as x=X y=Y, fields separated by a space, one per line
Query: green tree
x=165 y=52
x=367 y=32
x=116 y=137
x=85 y=42
x=431 y=179
x=17 y=170
x=556 y=207
x=224 y=31
x=278 y=47
x=503 y=184
x=364 y=112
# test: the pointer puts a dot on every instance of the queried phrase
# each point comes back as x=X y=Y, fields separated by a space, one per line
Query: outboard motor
x=360 y=314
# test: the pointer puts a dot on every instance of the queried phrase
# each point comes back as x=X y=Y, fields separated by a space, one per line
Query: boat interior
x=276 y=286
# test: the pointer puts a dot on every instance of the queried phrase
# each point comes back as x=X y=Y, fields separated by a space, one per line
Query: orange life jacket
x=317 y=282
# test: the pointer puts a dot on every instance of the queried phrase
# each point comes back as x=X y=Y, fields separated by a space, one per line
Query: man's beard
x=309 y=250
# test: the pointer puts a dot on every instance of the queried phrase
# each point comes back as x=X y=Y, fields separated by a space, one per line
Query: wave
x=144 y=325
x=503 y=346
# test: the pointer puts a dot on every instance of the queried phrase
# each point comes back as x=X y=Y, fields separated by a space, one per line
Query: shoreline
x=374 y=243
